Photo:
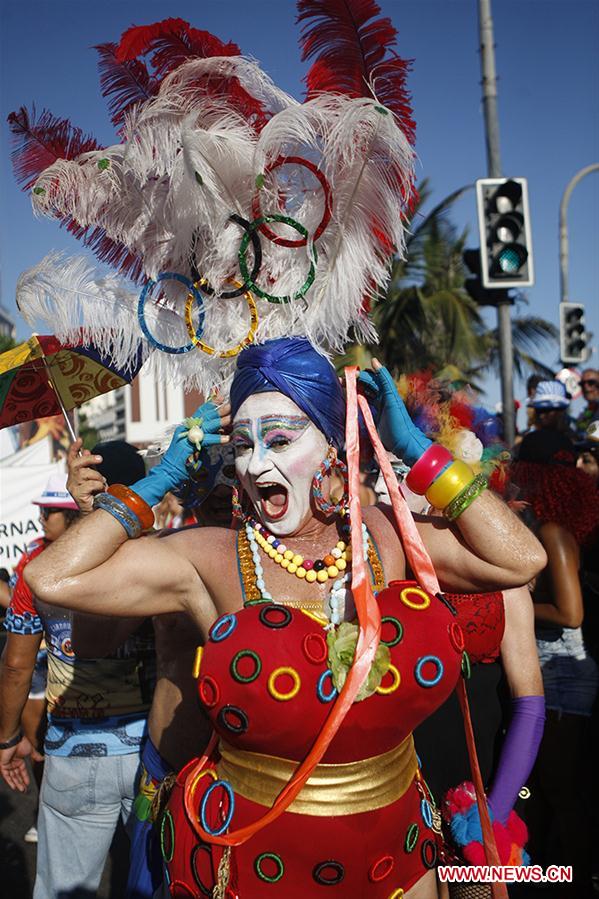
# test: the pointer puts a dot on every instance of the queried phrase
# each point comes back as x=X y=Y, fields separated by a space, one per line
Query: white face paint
x=277 y=452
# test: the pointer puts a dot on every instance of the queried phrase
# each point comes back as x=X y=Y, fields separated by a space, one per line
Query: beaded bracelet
x=449 y=484
x=428 y=467
x=135 y=503
x=461 y=502
x=121 y=512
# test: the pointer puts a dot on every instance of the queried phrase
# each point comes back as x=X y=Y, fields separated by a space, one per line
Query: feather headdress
x=243 y=213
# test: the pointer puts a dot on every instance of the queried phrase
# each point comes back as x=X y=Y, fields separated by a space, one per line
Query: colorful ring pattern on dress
x=230 y=795
x=206 y=683
x=428 y=853
x=177 y=886
x=201 y=847
x=326 y=215
x=411 y=837
x=398 y=630
x=466 y=666
x=141 y=315
x=381 y=868
x=321 y=867
x=384 y=691
x=456 y=636
x=420 y=678
x=245 y=654
x=272 y=856
x=243 y=721
x=426 y=812
x=326 y=697
x=265 y=616
x=419 y=607
x=397 y=894
x=222 y=628
x=272 y=298
x=167 y=843
x=279 y=672
x=315 y=648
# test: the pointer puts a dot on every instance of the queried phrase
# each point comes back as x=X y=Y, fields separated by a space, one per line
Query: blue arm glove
x=169 y=473
x=397 y=430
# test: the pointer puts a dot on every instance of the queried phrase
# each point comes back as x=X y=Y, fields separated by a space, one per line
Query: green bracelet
x=461 y=502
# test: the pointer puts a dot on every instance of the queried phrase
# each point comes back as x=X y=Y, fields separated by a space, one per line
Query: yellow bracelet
x=449 y=484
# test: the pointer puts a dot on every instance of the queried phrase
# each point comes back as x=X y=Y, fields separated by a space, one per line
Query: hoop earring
x=236 y=506
x=329 y=463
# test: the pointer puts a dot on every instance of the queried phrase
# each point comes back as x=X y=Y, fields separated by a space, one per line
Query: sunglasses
x=589 y=382
x=46 y=511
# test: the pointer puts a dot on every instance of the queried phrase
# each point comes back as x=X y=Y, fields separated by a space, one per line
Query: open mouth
x=274 y=500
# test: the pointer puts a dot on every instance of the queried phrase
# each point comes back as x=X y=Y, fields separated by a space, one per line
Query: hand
x=13 y=767
x=83 y=482
x=172 y=470
x=398 y=432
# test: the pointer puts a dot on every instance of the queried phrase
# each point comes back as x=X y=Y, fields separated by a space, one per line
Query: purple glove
x=518 y=753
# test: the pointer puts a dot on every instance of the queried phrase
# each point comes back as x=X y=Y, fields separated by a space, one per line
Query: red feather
x=354 y=54
x=172 y=42
x=124 y=83
x=38 y=144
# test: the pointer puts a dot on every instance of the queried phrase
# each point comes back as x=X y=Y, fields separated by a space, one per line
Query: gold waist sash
x=345 y=789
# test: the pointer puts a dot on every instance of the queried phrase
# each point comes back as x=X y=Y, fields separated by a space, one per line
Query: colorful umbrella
x=44 y=377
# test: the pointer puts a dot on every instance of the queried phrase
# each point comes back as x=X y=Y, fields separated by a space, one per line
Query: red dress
x=365 y=831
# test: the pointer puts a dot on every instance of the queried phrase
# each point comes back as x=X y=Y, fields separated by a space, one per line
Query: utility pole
x=563 y=229
x=504 y=325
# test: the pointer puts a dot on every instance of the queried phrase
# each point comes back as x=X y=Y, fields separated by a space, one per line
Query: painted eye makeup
x=279 y=432
x=241 y=437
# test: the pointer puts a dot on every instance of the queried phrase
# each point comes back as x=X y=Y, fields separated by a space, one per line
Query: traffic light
x=473 y=285
x=573 y=337
x=505 y=238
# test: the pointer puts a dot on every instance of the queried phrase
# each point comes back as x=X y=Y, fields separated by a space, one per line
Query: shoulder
x=381 y=524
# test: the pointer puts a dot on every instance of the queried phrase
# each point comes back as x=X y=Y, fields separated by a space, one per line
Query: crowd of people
x=125 y=732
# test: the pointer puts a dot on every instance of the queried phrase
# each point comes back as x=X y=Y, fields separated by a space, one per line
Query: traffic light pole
x=563 y=228
x=504 y=325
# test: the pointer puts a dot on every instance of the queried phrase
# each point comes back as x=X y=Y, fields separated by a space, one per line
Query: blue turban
x=291 y=365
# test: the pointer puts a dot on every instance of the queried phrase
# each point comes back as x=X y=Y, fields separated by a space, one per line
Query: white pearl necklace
x=335 y=602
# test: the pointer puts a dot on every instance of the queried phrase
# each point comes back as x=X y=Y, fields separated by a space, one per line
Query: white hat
x=550 y=395
x=55 y=494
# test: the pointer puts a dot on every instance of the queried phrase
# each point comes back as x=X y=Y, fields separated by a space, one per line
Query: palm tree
x=426 y=320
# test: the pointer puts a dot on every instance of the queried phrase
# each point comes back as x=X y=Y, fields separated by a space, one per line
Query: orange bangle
x=134 y=502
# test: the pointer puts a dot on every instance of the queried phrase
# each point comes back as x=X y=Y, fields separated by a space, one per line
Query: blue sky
x=548 y=69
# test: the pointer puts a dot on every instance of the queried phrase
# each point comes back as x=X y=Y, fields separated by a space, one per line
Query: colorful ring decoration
x=208 y=682
x=411 y=837
x=419 y=607
x=384 y=691
x=381 y=868
x=245 y=678
x=426 y=812
x=319 y=869
x=424 y=681
x=398 y=628
x=241 y=288
x=232 y=351
x=177 y=886
x=428 y=853
x=148 y=287
x=272 y=298
x=231 y=796
x=242 y=718
x=326 y=215
x=456 y=636
x=466 y=666
x=210 y=772
x=309 y=645
x=167 y=850
x=197 y=663
x=397 y=894
x=201 y=847
x=276 y=694
x=326 y=697
x=222 y=628
x=272 y=856
x=265 y=616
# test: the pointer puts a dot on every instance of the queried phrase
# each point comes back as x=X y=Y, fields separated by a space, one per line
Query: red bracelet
x=428 y=467
x=134 y=502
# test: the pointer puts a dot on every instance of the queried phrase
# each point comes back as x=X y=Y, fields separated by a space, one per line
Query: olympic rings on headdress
x=272 y=298
x=211 y=351
x=241 y=288
x=326 y=215
x=148 y=287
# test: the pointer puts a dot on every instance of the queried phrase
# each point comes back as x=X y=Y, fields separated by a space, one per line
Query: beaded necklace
x=330 y=566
